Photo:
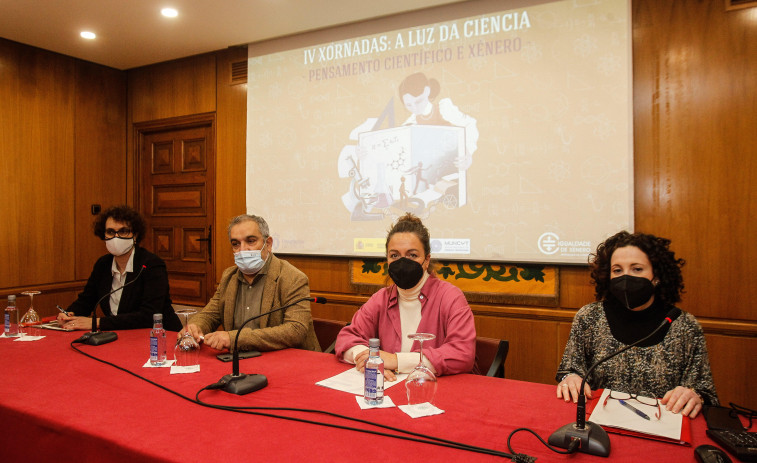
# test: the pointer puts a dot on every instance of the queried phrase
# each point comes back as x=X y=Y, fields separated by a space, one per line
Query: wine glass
x=187 y=351
x=30 y=320
x=421 y=382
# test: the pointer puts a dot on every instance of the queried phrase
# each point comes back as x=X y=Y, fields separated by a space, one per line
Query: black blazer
x=139 y=301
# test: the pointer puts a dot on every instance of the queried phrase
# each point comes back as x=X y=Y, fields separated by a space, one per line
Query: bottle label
x=153 y=348
x=7 y=322
x=371 y=376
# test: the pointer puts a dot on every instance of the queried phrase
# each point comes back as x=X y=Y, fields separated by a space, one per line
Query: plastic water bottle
x=11 y=317
x=157 y=341
x=374 y=375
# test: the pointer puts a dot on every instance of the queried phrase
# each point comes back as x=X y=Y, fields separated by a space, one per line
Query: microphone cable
x=424 y=439
x=572 y=448
x=433 y=440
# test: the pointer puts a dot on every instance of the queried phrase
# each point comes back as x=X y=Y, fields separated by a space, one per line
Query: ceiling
x=133 y=33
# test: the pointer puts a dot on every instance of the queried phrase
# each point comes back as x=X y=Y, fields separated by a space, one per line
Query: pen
x=61 y=310
x=634 y=409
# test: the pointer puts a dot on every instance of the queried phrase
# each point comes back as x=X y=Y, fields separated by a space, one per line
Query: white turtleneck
x=410 y=317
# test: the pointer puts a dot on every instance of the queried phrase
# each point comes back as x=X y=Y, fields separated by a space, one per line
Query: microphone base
x=593 y=439
x=97 y=338
x=244 y=384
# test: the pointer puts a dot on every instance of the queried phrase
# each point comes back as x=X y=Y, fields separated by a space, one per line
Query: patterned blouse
x=681 y=358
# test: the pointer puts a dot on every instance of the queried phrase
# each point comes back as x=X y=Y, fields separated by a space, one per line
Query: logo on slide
x=548 y=243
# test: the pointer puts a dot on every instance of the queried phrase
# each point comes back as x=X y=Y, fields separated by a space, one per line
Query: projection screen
x=508 y=131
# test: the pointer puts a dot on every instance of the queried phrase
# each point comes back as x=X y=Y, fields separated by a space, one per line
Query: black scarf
x=628 y=326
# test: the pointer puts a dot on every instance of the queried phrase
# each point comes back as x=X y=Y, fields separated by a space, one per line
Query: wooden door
x=176 y=189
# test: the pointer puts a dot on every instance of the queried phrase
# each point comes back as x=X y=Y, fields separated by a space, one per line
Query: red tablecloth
x=57 y=403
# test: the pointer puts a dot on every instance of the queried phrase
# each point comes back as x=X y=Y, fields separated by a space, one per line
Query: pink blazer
x=444 y=312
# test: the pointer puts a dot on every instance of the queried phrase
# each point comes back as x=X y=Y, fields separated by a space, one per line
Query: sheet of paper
x=353 y=381
x=617 y=416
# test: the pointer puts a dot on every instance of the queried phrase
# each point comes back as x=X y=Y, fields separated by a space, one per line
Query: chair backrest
x=326 y=332
x=490 y=356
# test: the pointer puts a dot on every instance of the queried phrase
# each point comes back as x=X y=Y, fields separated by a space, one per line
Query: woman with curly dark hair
x=122 y=229
x=637 y=280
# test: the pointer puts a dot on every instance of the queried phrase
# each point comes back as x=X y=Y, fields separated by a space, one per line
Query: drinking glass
x=30 y=321
x=187 y=351
x=421 y=382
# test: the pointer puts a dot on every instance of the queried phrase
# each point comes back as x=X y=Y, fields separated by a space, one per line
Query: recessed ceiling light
x=169 y=12
x=88 y=35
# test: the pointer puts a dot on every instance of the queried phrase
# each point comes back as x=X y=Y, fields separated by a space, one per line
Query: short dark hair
x=665 y=266
x=125 y=214
x=262 y=224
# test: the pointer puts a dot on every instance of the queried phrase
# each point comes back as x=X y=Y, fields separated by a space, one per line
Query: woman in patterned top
x=637 y=280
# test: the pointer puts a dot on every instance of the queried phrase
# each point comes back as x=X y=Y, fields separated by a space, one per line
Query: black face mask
x=631 y=291
x=405 y=273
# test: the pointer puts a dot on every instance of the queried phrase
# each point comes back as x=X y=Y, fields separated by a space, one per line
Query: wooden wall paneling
x=328 y=275
x=100 y=158
x=733 y=366
x=44 y=304
x=339 y=310
x=231 y=129
x=576 y=289
x=37 y=167
x=695 y=107
x=176 y=88
x=10 y=179
x=531 y=355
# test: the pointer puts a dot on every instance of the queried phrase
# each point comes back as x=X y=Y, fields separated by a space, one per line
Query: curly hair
x=124 y=214
x=665 y=267
x=409 y=223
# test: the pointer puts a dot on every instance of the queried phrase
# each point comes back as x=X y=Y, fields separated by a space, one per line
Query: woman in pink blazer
x=417 y=302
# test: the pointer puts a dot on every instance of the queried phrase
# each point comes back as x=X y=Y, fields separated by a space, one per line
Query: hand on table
x=683 y=400
x=568 y=388
x=219 y=340
x=72 y=322
x=390 y=363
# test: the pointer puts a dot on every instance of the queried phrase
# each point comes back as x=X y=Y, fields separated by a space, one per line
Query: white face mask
x=119 y=246
x=249 y=262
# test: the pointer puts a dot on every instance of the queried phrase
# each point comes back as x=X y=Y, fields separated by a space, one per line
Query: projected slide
x=508 y=132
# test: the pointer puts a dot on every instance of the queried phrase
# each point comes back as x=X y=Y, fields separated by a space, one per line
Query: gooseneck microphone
x=97 y=337
x=241 y=384
x=592 y=439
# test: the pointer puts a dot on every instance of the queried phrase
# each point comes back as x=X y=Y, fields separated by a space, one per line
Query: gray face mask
x=249 y=262
x=631 y=291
